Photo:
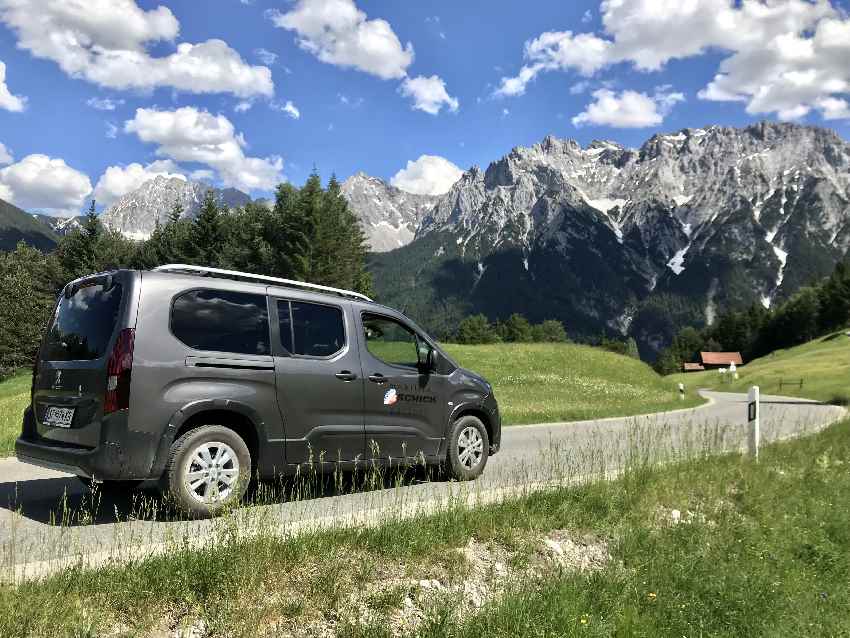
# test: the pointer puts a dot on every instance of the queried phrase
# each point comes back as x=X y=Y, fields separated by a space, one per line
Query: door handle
x=377 y=378
x=345 y=375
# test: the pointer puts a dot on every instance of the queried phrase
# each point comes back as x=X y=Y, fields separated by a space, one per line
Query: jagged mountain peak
x=716 y=216
x=136 y=214
x=388 y=215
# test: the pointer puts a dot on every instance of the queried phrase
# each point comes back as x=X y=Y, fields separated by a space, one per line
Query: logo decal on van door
x=390 y=397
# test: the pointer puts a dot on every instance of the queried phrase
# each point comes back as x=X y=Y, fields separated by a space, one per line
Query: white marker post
x=682 y=391
x=753 y=409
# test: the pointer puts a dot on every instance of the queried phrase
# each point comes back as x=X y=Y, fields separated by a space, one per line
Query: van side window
x=390 y=341
x=222 y=321
x=311 y=329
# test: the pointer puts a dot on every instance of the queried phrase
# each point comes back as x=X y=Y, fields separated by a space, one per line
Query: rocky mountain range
x=60 y=225
x=136 y=213
x=390 y=216
x=630 y=241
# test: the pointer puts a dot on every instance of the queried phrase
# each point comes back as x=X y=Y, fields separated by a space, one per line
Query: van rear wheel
x=208 y=470
x=469 y=448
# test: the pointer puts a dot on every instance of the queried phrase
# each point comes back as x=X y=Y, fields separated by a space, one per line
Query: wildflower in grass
x=584 y=619
x=652 y=596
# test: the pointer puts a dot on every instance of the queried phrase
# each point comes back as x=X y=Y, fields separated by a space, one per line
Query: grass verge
x=546 y=383
x=711 y=546
x=823 y=365
x=534 y=383
x=14 y=397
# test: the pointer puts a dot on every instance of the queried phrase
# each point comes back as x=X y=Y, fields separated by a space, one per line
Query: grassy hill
x=822 y=364
x=534 y=383
x=541 y=382
x=17 y=225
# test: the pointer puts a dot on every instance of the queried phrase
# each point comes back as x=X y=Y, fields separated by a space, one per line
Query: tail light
x=118 y=371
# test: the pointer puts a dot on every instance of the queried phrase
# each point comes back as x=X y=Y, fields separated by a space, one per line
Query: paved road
x=48 y=520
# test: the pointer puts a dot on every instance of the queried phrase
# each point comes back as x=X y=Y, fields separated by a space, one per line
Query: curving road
x=34 y=500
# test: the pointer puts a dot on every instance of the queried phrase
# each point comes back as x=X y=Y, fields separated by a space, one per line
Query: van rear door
x=71 y=376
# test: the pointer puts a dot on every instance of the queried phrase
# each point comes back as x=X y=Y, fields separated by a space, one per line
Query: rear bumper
x=119 y=455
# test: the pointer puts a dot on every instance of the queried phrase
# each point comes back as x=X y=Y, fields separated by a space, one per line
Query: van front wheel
x=208 y=470
x=469 y=448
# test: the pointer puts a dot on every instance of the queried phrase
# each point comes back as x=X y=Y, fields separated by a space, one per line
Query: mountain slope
x=135 y=214
x=822 y=364
x=389 y=216
x=16 y=225
x=631 y=241
x=60 y=225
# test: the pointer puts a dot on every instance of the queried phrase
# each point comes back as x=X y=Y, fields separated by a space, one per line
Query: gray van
x=203 y=379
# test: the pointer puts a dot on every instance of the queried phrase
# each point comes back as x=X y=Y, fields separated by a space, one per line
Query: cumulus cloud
x=429 y=175
x=5 y=155
x=781 y=57
x=289 y=108
x=117 y=181
x=428 y=94
x=106 y=42
x=339 y=33
x=628 y=109
x=8 y=100
x=104 y=103
x=191 y=135
x=266 y=57
x=44 y=183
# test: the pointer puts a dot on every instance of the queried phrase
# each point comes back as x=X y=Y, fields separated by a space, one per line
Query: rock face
x=390 y=217
x=136 y=213
x=60 y=225
x=631 y=241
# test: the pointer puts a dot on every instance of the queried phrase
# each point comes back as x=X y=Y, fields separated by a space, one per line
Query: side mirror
x=426 y=356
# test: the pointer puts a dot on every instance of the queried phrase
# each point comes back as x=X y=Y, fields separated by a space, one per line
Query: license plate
x=59 y=417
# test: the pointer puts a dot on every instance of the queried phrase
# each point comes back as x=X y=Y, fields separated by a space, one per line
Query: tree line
x=811 y=312
x=308 y=234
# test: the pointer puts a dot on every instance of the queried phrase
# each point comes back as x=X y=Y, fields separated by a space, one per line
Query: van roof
x=235 y=275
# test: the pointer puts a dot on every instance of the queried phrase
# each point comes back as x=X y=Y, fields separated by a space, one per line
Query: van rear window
x=83 y=324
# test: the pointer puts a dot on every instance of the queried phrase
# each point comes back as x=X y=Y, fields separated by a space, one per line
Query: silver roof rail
x=292 y=283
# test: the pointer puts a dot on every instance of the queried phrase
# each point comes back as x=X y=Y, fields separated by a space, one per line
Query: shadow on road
x=67 y=502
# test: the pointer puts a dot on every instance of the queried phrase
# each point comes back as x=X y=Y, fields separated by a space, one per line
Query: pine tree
x=476 y=329
x=206 y=233
x=517 y=329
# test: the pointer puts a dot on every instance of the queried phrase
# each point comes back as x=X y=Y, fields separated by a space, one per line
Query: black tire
x=113 y=488
x=186 y=457
x=463 y=467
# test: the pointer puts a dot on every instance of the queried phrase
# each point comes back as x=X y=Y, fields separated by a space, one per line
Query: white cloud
x=202 y=175
x=337 y=32
x=117 y=181
x=558 y=50
x=44 y=183
x=429 y=175
x=8 y=100
x=111 y=130
x=5 y=155
x=106 y=41
x=289 y=108
x=587 y=16
x=243 y=106
x=266 y=57
x=785 y=57
x=628 y=109
x=428 y=94
x=104 y=103
x=834 y=108
x=191 y=135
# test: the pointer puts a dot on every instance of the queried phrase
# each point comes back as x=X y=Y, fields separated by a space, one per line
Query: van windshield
x=83 y=324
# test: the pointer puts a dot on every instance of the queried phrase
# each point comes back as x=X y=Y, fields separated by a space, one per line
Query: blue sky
x=632 y=72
